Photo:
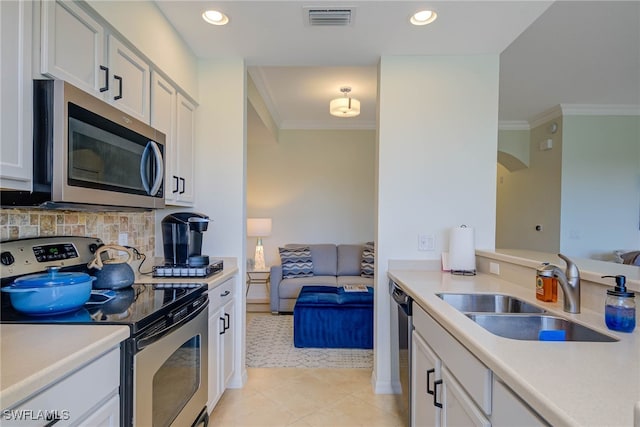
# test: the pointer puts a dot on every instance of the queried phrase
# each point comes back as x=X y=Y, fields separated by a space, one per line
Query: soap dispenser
x=620 y=307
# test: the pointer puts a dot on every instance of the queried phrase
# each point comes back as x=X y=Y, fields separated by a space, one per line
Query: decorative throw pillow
x=366 y=265
x=296 y=262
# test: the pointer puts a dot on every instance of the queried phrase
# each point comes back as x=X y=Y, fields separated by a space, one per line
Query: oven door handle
x=145 y=341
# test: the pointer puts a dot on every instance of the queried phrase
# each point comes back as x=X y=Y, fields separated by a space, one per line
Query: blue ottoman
x=329 y=317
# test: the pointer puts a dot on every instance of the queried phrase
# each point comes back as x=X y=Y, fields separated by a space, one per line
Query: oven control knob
x=93 y=248
x=6 y=258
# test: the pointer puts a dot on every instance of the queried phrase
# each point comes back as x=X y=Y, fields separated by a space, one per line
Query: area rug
x=270 y=345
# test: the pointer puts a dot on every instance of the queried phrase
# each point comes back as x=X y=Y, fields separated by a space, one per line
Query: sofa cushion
x=290 y=288
x=324 y=257
x=296 y=262
x=349 y=259
x=367 y=262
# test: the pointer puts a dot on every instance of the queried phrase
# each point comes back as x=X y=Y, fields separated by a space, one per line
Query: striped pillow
x=367 y=263
x=296 y=262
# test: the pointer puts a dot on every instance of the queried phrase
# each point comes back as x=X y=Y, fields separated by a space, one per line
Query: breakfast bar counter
x=567 y=383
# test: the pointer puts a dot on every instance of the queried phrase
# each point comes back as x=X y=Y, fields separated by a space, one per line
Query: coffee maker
x=182 y=239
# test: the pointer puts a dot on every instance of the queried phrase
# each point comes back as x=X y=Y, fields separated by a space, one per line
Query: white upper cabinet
x=73 y=47
x=129 y=87
x=16 y=92
x=185 y=140
x=163 y=118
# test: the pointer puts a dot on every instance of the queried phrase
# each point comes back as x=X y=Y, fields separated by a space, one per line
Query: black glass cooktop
x=137 y=306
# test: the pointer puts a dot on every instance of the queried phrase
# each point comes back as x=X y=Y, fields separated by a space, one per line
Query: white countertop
x=34 y=356
x=590 y=269
x=567 y=383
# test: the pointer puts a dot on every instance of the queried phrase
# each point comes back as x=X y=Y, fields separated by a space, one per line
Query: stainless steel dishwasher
x=402 y=305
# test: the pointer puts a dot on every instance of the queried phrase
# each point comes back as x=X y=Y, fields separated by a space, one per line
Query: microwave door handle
x=157 y=181
x=143 y=169
x=152 y=147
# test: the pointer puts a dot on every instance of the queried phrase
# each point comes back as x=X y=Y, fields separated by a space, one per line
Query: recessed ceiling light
x=215 y=17
x=423 y=17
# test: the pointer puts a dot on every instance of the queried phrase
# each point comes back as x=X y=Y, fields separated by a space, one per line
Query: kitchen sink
x=489 y=303
x=537 y=327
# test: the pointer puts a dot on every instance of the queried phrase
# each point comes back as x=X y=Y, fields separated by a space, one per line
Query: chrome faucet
x=569 y=282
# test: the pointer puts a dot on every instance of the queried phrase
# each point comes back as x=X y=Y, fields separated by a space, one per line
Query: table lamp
x=259 y=227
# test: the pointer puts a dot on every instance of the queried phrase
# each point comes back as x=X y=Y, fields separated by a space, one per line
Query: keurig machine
x=182 y=239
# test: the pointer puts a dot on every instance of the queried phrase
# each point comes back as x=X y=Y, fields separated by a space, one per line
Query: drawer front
x=220 y=295
x=75 y=395
x=464 y=366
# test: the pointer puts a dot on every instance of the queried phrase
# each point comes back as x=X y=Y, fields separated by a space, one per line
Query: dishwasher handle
x=400 y=297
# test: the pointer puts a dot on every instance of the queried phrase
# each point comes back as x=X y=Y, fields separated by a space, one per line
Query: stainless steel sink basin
x=489 y=303
x=529 y=327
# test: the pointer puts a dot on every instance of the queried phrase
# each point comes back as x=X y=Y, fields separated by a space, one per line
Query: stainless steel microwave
x=90 y=155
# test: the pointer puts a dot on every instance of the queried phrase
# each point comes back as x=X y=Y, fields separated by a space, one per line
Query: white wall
x=142 y=23
x=438 y=124
x=600 y=185
x=220 y=173
x=531 y=196
x=316 y=185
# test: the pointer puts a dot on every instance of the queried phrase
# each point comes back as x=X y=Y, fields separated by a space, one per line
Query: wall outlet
x=123 y=239
x=426 y=242
x=494 y=268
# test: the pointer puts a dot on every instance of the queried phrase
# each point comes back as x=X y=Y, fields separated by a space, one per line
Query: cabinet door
x=185 y=139
x=425 y=370
x=163 y=118
x=229 y=348
x=129 y=85
x=16 y=94
x=72 y=46
x=510 y=410
x=458 y=408
x=215 y=327
x=107 y=415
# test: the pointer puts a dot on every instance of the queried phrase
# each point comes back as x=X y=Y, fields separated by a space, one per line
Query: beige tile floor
x=306 y=397
x=275 y=397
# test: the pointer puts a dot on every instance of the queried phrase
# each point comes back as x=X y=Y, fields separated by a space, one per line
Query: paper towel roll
x=462 y=251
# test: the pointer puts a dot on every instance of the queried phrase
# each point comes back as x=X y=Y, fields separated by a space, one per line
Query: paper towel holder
x=463 y=272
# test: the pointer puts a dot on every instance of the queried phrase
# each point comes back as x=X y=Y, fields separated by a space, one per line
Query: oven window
x=176 y=382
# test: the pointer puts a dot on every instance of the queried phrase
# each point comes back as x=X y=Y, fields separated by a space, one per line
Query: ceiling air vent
x=334 y=16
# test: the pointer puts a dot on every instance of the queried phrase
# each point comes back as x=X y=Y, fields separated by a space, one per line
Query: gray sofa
x=333 y=265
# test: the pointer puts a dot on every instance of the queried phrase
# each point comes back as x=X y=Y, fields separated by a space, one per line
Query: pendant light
x=345 y=106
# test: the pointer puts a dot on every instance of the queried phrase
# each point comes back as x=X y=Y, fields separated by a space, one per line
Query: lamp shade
x=344 y=107
x=258 y=227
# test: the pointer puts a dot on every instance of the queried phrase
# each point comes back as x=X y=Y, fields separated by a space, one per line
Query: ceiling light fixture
x=423 y=17
x=345 y=106
x=215 y=17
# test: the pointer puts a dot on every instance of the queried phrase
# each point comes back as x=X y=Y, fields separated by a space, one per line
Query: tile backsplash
x=139 y=226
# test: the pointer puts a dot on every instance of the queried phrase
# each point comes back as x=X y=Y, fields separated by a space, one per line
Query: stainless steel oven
x=170 y=374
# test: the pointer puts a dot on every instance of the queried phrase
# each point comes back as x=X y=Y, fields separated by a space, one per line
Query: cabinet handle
x=119 y=79
x=106 y=79
x=224 y=328
x=175 y=190
x=429 y=372
x=182 y=180
x=435 y=393
x=225 y=293
x=228 y=321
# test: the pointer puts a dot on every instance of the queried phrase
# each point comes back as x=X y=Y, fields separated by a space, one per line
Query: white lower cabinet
x=509 y=410
x=221 y=342
x=451 y=387
x=86 y=397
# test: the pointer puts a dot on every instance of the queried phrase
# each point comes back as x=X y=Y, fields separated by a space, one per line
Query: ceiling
x=299 y=68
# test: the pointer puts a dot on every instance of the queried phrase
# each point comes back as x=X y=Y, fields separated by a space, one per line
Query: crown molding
x=599 y=110
x=513 y=125
x=343 y=124
x=547 y=115
x=259 y=80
